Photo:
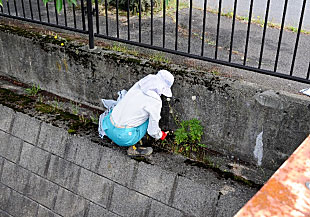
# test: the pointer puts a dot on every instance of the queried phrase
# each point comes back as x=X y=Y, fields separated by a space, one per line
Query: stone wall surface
x=243 y=120
x=46 y=172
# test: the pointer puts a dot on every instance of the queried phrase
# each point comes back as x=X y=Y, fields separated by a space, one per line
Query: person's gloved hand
x=164 y=134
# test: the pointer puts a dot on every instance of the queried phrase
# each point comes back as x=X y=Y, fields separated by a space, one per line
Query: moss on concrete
x=9 y=98
x=76 y=48
x=28 y=104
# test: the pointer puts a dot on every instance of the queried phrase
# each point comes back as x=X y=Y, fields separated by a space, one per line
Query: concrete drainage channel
x=250 y=130
x=47 y=171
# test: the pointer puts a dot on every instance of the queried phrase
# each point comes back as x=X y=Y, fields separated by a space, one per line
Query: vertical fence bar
x=248 y=34
x=203 y=26
x=264 y=35
x=233 y=30
x=218 y=28
x=47 y=13
x=298 y=35
x=8 y=5
x=30 y=5
x=152 y=17
x=176 y=25
x=90 y=24
x=106 y=17
x=97 y=16
x=164 y=23
x=16 y=12
x=139 y=21
x=280 y=36
x=9 y=9
x=56 y=13
x=23 y=8
x=190 y=26
x=83 y=15
x=117 y=24
x=1 y=8
x=39 y=10
x=74 y=16
x=308 y=74
x=65 y=12
x=128 y=23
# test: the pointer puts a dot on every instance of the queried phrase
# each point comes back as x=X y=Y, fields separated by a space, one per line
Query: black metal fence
x=189 y=28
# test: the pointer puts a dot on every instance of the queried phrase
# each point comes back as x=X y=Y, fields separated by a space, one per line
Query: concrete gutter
x=242 y=120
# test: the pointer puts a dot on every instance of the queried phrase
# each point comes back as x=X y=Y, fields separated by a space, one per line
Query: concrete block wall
x=44 y=171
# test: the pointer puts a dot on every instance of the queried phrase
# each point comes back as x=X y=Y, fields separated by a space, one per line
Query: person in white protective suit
x=136 y=112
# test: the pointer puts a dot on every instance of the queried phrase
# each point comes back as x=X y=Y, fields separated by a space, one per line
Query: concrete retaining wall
x=257 y=125
x=46 y=172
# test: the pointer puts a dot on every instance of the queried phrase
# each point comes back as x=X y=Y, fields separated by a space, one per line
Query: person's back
x=135 y=108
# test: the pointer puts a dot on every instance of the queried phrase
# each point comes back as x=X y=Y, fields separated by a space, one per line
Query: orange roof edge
x=286 y=192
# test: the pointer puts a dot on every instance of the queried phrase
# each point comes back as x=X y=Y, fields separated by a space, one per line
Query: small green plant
x=56 y=104
x=33 y=91
x=292 y=28
x=215 y=72
x=188 y=135
x=94 y=119
x=187 y=138
x=228 y=14
x=83 y=119
x=75 y=109
x=190 y=132
x=40 y=99
x=71 y=131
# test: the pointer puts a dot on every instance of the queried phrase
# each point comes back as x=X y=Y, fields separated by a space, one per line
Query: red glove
x=163 y=135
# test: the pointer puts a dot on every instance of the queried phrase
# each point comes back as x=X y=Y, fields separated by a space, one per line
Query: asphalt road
x=259 y=8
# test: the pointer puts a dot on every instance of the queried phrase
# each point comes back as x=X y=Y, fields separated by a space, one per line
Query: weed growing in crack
x=33 y=91
x=75 y=108
x=83 y=119
x=94 y=119
x=56 y=104
x=40 y=98
x=187 y=137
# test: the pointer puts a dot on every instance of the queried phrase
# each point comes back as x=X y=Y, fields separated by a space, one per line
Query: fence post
x=90 y=24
